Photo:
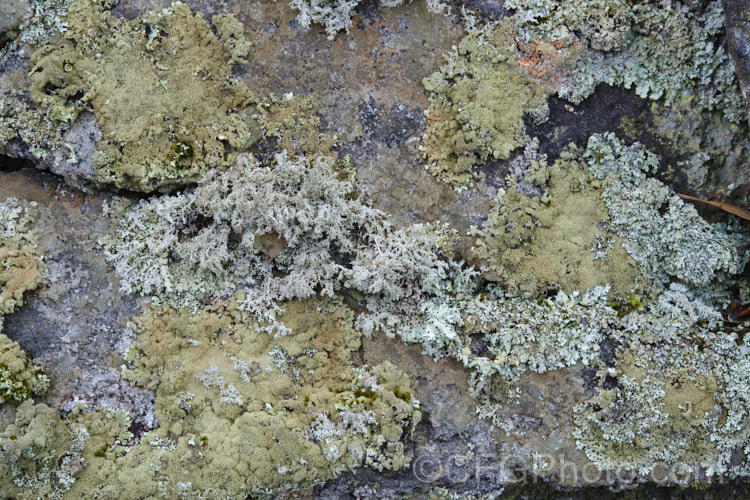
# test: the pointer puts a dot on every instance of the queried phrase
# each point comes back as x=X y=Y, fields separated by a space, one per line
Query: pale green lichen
x=151 y=138
x=19 y=120
x=710 y=146
x=243 y=411
x=20 y=378
x=21 y=266
x=662 y=233
x=533 y=243
x=660 y=49
x=236 y=228
x=477 y=104
x=293 y=123
x=680 y=401
x=336 y=15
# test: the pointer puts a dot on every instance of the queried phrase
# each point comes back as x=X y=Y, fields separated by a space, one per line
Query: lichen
x=236 y=228
x=151 y=138
x=243 y=411
x=477 y=104
x=677 y=407
x=336 y=15
x=663 y=234
x=21 y=266
x=661 y=49
x=41 y=454
x=292 y=123
x=20 y=378
x=280 y=231
x=531 y=244
x=712 y=149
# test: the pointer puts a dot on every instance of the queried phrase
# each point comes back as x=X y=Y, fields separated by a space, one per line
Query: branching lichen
x=280 y=231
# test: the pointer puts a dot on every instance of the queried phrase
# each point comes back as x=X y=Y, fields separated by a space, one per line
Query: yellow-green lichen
x=41 y=455
x=19 y=376
x=242 y=410
x=292 y=122
x=176 y=112
x=532 y=244
x=477 y=104
x=21 y=266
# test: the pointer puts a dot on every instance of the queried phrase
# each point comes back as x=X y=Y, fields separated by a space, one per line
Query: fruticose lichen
x=477 y=104
x=152 y=137
x=661 y=49
x=286 y=230
x=21 y=266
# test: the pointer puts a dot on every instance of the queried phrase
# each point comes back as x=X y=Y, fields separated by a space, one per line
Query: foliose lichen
x=678 y=407
x=20 y=378
x=541 y=240
x=336 y=15
x=151 y=138
x=242 y=410
x=661 y=49
x=662 y=233
x=477 y=104
x=41 y=455
x=21 y=266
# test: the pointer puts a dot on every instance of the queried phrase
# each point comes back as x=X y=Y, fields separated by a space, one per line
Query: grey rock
x=12 y=13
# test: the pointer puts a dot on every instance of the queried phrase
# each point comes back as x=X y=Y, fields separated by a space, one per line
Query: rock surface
x=506 y=402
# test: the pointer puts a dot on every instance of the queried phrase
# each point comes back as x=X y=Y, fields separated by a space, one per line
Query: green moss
x=477 y=104
x=152 y=137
